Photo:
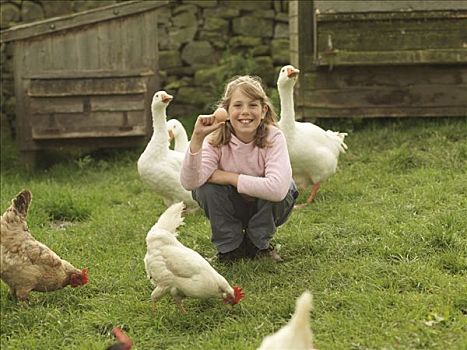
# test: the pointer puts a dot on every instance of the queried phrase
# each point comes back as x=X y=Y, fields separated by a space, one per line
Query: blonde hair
x=251 y=86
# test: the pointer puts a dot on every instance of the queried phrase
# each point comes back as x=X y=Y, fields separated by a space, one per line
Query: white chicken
x=313 y=152
x=173 y=268
x=296 y=334
x=159 y=166
x=177 y=133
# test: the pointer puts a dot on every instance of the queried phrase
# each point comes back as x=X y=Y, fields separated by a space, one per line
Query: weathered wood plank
x=390 y=58
x=118 y=103
x=415 y=96
x=91 y=132
x=47 y=105
x=384 y=76
x=307 y=113
x=150 y=47
x=387 y=6
x=385 y=20
x=91 y=143
x=397 y=39
x=305 y=31
x=73 y=87
x=56 y=105
x=23 y=129
x=100 y=73
x=80 y=121
x=58 y=24
x=66 y=124
x=85 y=45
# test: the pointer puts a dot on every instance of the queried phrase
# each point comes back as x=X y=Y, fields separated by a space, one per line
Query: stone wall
x=202 y=43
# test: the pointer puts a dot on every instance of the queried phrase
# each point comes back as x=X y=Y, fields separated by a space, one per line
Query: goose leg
x=314 y=190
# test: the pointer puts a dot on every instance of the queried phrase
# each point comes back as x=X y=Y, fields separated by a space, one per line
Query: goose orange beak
x=166 y=98
x=292 y=72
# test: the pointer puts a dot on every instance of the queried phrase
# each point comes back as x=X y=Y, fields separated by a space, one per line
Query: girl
x=241 y=175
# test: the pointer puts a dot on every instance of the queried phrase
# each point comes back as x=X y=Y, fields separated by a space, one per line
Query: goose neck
x=159 y=124
x=287 y=105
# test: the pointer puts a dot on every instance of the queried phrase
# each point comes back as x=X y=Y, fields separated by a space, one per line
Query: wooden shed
x=379 y=58
x=86 y=79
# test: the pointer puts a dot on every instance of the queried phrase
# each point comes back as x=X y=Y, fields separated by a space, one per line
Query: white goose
x=313 y=152
x=177 y=133
x=159 y=166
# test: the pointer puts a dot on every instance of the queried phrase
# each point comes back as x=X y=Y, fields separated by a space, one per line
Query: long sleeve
x=275 y=183
x=198 y=167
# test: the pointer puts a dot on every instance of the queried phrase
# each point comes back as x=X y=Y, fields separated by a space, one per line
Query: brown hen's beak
x=171 y=135
x=292 y=72
x=84 y=276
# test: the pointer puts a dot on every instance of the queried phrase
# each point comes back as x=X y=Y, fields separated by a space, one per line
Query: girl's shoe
x=269 y=252
x=233 y=255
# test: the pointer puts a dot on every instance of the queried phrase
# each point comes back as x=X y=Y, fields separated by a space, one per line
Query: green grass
x=383 y=250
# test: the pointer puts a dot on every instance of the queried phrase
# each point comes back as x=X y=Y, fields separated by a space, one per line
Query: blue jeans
x=232 y=216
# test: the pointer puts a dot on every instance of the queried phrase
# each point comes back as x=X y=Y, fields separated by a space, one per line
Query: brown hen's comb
x=84 y=276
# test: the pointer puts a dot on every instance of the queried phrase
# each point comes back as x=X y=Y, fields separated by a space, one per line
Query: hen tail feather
x=303 y=306
x=21 y=202
x=171 y=218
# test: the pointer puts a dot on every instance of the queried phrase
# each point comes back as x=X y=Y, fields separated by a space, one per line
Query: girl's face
x=245 y=115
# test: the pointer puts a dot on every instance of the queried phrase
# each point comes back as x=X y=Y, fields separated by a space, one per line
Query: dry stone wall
x=201 y=44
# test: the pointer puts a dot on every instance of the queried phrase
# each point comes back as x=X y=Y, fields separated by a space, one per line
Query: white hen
x=159 y=166
x=177 y=133
x=313 y=152
x=295 y=335
x=178 y=270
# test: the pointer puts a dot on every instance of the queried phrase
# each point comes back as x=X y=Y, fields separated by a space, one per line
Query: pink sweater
x=264 y=172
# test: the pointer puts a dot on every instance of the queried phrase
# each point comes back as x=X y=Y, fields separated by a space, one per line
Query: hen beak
x=234 y=299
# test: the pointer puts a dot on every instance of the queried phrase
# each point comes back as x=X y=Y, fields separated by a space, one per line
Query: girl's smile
x=245 y=115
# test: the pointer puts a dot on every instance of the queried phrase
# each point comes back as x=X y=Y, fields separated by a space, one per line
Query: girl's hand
x=205 y=124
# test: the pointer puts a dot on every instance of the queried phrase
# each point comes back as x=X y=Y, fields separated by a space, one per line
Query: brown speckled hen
x=27 y=264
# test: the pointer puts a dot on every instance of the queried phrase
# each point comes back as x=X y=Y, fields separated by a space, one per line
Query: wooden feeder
x=86 y=80
x=379 y=58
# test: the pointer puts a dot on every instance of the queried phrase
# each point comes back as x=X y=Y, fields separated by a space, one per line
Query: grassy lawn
x=382 y=249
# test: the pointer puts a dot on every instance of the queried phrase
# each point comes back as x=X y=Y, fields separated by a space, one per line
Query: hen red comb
x=84 y=276
x=238 y=295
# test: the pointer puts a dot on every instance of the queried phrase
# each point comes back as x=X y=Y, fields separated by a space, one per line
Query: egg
x=221 y=115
